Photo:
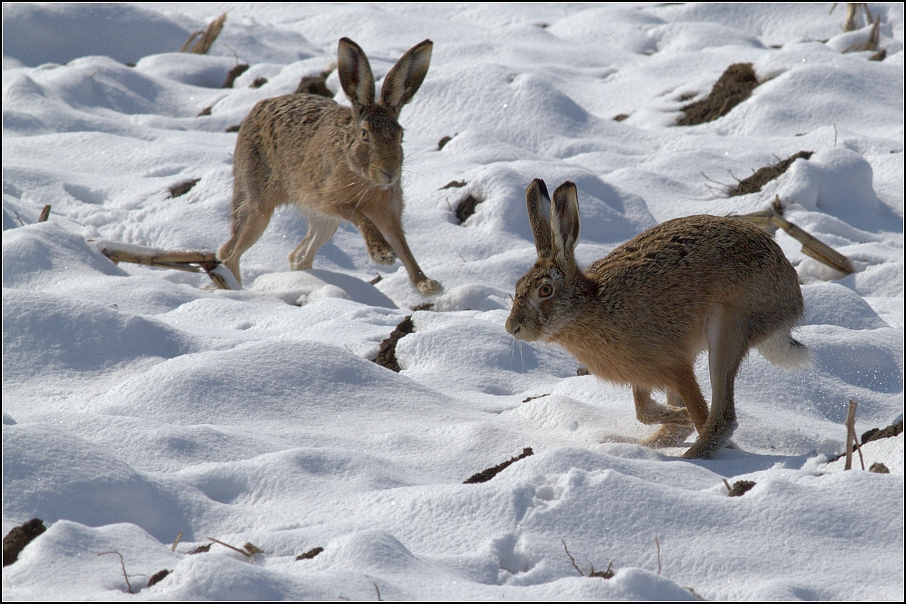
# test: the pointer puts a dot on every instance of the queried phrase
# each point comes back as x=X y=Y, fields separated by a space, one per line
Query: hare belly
x=631 y=362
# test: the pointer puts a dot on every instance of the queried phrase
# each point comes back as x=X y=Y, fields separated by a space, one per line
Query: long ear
x=539 y=210
x=404 y=79
x=565 y=223
x=355 y=76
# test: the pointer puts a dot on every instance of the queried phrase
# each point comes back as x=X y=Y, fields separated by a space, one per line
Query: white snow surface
x=140 y=403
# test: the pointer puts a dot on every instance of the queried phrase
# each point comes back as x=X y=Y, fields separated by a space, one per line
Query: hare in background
x=641 y=315
x=331 y=162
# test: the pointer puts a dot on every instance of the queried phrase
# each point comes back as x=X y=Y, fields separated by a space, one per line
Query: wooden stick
x=850 y=424
x=811 y=246
x=207 y=37
x=181 y=260
x=45 y=213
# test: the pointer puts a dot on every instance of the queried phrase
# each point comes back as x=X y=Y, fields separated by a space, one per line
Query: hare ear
x=565 y=222
x=356 y=77
x=404 y=79
x=539 y=210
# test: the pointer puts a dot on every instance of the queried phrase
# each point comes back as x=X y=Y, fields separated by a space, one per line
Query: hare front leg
x=391 y=227
x=674 y=419
x=378 y=248
x=320 y=229
x=648 y=411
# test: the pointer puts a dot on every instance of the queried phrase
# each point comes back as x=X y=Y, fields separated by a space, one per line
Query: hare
x=641 y=315
x=331 y=162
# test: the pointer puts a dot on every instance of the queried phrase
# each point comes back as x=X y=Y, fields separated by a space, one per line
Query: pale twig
x=850 y=424
x=658 y=544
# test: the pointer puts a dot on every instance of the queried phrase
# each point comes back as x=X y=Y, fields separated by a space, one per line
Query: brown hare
x=641 y=315
x=331 y=162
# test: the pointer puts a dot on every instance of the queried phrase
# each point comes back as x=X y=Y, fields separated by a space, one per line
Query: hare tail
x=781 y=349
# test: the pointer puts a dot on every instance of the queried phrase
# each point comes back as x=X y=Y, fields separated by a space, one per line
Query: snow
x=140 y=403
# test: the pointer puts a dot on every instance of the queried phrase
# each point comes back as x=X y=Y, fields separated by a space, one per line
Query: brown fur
x=642 y=315
x=332 y=162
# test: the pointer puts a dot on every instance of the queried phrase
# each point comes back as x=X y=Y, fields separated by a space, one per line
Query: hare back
x=689 y=264
x=652 y=297
x=293 y=149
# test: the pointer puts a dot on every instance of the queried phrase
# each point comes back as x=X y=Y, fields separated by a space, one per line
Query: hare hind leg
x=321 y=228
x=247 y=226
x=727 y=347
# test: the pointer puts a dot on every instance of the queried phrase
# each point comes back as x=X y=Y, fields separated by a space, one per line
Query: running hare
x=332 y=162
x=641 y=315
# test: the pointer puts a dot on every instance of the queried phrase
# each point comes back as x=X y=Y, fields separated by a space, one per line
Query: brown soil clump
x=733 y=87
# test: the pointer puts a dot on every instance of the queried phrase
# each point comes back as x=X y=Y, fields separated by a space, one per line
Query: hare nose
x=390 y=176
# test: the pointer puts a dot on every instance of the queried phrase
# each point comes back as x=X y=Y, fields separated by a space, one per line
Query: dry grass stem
x=123 y=566
x=207 y=37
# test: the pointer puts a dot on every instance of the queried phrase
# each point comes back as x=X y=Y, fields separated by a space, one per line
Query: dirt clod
x=740 y=488
x=604 y=574
x=878 y=433
x=158 y=577
x=16 y=540
x=387 y=354
x=733 y=87
x=258 y=83
x=315 y=84
x=310 y=553
x=235 y=72
x=466 y=208
x=183 y=188
x=486 y=475
x=201 y=549
x=761 y=177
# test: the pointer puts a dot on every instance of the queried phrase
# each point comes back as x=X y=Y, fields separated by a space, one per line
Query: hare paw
x=429 y=286
x=382 y=254
x=668 y=435
x=706 y=446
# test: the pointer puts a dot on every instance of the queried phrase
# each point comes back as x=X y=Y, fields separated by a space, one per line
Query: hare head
x=374 y=137
x=641 y=315
x=549 y=296
x=333 y=163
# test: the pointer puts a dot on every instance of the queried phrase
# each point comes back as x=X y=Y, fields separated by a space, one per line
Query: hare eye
x=546 y=291
x=364 y=134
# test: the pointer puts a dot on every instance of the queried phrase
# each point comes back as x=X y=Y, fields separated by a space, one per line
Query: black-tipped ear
x=565 y=222
x=539 y=210
x=356 y=77
x=404 y=79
